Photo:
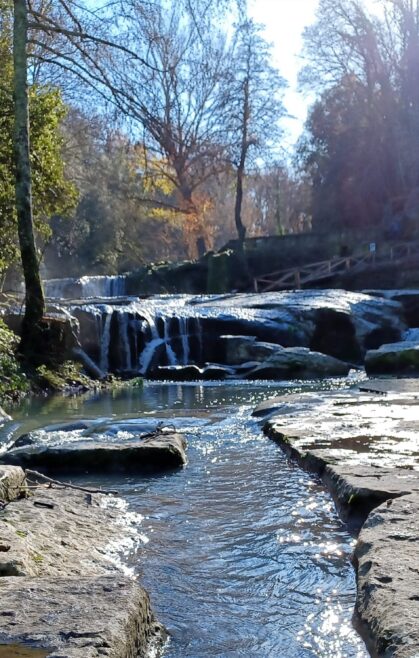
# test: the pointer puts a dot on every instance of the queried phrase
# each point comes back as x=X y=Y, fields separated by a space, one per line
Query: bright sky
x=285 y=21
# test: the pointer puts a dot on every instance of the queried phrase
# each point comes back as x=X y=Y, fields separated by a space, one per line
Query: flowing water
x=242 y=553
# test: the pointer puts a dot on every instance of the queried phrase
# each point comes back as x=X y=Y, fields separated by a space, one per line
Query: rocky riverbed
x=364 y=447
x=63 y=589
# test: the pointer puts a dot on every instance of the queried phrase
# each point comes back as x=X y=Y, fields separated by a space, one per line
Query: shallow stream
x=242 y=553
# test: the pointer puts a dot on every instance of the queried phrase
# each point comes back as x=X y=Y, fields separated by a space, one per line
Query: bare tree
x=253 y=98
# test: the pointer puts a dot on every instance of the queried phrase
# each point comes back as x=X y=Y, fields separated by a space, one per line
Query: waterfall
x=123 y=321
x=183 y=332
x=86 y=287
x=138 y=335
x=102 y=286
x=171 y=356
x=105 y=342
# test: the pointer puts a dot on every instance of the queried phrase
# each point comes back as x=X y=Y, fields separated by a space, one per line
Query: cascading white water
x=184 y=336
x=102 y=286
x=123 y=321
x=171 y=356
x=86 y=287
x=149 y=323
x=105 y=342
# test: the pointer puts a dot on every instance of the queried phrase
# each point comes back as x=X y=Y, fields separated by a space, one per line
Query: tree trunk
x=34 y=297
x=241 y=229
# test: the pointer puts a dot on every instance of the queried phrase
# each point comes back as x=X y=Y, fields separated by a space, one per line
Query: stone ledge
x=62 y=588
x=163 y=452
x=386 y=561
x=339 y=440
x=106 y=617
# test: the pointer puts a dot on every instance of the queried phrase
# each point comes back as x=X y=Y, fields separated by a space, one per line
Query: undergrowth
x=13 y=381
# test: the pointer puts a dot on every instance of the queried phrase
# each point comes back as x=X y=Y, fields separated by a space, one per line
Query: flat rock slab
x=58 y=532
x=386 y=557
x=357 y=492
x=61 y=588
x=162 y=452
x=366 y=450
x=105 y=617
x=391 y=385
x=347 y=427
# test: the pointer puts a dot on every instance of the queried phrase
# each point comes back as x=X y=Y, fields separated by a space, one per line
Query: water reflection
x=241 y=552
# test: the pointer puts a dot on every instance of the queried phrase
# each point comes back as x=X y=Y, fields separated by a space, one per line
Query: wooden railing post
x=297 y=279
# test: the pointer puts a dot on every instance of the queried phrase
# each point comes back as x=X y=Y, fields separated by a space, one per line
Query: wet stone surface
x=366 y=450
x=62 y=588
x=158 y=453
x=347 y=427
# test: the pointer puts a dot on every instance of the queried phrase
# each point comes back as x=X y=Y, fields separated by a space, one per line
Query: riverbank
x=218 y=550
x=63 y=587
x=363 y=446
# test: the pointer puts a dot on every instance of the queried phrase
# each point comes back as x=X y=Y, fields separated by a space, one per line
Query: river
x=242 y=552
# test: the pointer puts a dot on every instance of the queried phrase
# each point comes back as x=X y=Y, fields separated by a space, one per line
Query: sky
x=285 y=21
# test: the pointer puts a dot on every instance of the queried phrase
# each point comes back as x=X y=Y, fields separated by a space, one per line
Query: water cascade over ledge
x=131 y=335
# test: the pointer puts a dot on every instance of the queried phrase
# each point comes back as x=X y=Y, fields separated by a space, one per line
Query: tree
x=177 y=98
x=76 y=39
x=363 y=134
x=254 y=107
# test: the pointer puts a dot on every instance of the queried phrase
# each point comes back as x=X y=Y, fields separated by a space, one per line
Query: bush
x=13 y=381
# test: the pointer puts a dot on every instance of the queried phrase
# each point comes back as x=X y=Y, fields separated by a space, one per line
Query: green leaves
x=52 y=193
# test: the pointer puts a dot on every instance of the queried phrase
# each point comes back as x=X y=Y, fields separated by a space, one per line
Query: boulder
x=158 y=453
x=241 y=349
x=300 y=362
x=272 y=361
x=12 y=479
x=393 y=359
x=178 y=373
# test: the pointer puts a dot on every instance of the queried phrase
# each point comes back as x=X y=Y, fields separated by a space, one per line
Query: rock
x=391 y=385
x=409 y=299
x=339 y=437
x=12 y=479
x=23 y=440
x=215 y=373
x=347 y=428
x=385 y=557
x=189 y=328
x=241 y=349
x=77 y=618
x=393 y=358
x=276 y=362
x=59 y=533
x=356 y=492
x=374 y=479
x=287 y=363
x=178 y=373
x=59 y=335
x=162 y=452
x=279 y=404
x=70 y=597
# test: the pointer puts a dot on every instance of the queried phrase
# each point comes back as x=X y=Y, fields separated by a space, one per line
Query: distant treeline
x=171 y=143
